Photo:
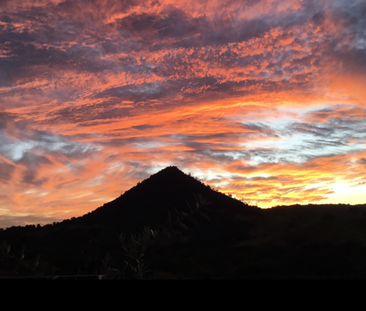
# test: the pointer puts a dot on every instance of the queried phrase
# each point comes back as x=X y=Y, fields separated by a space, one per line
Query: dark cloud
x=260 y=128
x=5 y=19
x=318 y=18
x=351 y=61
x=218 y=156
x=144 y=127
x=362 y=161
x=173 y=24
x=222 y=34
x=34 y=14
x=6 y=172
x=23 y=58
x=245 y=168
x=178 y=25
x=26 y=60
x=141 y=92
x=321 y=144
x=16 y=37
x=316 y=130
x=111 y=47
x=33 y=164
x=256 y=178
x=331 y=127
x=353 y=15
x=87 y=115
x=350 y=58
x=138 y=23
x=5 y=120
x=29 y=177
x=190 y=32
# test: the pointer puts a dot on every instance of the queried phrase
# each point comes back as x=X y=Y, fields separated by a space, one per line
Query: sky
x=261 y=99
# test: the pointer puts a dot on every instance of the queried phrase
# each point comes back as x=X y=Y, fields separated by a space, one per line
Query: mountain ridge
x=198 y=233
x=157 y=196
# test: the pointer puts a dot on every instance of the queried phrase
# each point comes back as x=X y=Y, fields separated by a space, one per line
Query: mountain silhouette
x=196 y=215
x=197 y=232
x=168 y=192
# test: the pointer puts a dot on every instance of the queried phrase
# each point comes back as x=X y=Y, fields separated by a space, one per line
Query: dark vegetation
x=172 y=226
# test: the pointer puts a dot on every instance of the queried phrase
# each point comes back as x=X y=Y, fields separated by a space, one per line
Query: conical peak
x=168 y=172
x=154 y=198
x=167 y=178
x=171 y=169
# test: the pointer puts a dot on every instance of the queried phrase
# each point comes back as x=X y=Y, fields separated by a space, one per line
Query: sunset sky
x=264 y=100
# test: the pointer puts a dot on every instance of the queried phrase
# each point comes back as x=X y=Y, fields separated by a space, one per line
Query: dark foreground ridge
x=173 y=226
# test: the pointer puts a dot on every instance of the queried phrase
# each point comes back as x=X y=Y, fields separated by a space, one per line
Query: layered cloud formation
x=264 y=100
